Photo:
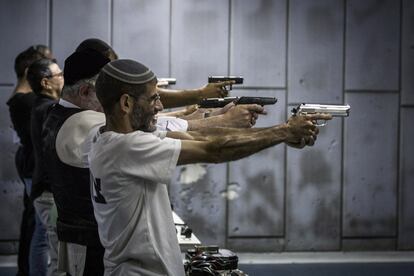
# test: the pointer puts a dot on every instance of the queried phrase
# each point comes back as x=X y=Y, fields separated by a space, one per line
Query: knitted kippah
x=82 y=65
x=128 y=71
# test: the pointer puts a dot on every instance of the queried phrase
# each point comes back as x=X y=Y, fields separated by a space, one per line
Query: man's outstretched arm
x=224 y=144
x=176 y=98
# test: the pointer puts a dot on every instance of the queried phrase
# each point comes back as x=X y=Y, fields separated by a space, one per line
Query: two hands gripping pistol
x=334 y=110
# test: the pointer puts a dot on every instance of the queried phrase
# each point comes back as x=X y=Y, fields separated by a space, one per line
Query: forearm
x=222 y=131
x=176 y=113
x=177 y=98
x=240 y=145
x=187 y=135
x=223 y=144
x=209 y=122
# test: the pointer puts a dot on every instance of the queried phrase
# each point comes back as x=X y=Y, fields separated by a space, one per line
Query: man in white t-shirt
x=132 y=163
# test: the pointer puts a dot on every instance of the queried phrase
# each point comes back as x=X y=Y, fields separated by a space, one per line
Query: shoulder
x=137 y=141
x=22 y=99
x=140 y=137
x=42 y=106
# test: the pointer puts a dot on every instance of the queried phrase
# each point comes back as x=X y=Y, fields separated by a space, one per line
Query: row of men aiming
x=104 y=153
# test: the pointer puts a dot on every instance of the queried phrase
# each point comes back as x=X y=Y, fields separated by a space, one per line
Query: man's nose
x=158 y=105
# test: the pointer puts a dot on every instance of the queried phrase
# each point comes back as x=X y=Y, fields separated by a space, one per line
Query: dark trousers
x=26 y=233
x=94 y=261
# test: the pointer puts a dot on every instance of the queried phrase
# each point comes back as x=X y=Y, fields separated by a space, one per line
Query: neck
x=52 y=94
x=119 y=124
x=22 y=86
x=72 y=100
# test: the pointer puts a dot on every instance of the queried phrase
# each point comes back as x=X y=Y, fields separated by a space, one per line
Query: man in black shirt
x=46 y=80
x=20 y=106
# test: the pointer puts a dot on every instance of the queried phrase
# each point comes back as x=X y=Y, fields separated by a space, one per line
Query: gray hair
x=71 y=91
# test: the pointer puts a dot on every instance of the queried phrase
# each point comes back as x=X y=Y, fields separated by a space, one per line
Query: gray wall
x=352 y=191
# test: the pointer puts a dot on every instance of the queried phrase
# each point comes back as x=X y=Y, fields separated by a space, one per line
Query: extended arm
x=240 y=116
x=226 y=144
x=175 y=98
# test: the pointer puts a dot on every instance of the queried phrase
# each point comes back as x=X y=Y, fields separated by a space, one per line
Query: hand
x=241 y=116
x=299 y=145
x=302 y=129
x=198 y=113
x=216 y=90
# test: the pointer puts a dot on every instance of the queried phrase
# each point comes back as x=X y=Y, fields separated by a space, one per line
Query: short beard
x=139 y=121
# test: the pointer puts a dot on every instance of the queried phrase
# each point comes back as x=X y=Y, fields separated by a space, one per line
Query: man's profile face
x=146 y=107
x=55 y=80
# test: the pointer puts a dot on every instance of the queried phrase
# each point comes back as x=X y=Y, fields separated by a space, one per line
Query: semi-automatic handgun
x=166 y=81
x=235 y=79
x=220 y=102
x=334 y=110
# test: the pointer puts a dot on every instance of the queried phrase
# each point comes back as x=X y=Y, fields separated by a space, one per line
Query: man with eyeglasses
x=132 y=163
x=46 y=79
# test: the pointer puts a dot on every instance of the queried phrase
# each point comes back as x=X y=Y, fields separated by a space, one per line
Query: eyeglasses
x=60 y=74
x=152 y=99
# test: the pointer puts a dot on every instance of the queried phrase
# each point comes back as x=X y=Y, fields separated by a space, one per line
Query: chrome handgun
x=334 y=110
x=166 y=81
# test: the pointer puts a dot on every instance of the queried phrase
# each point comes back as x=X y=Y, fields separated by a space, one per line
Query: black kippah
x=82 y=65
x=129 y=71
x=93 y=44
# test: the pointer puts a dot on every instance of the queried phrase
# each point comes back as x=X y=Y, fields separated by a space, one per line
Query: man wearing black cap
x=170 y=98
x=131 y=164
x=80 y=252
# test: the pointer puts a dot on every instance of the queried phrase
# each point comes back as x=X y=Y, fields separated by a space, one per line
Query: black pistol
x=220 y=102
x=236 y=79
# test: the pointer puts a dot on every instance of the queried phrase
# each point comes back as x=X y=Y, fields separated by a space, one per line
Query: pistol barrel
x=166 y=81
x=334 y=110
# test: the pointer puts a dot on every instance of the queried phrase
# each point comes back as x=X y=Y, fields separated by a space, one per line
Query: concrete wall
x=352 y=191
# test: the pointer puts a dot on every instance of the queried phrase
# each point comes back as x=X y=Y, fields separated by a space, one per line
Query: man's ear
x=25 y=72
x=83 y=91
x=125 y=103
x=44 y=84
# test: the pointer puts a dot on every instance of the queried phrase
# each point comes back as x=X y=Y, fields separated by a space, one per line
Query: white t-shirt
x=171 y=123
x=73 y=141
x=131 y=202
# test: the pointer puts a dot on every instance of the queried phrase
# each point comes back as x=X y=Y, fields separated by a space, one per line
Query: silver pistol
x=166 y=81
x=334 y=110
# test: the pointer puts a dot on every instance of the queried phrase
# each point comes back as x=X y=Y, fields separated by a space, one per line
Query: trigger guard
x=320 y=123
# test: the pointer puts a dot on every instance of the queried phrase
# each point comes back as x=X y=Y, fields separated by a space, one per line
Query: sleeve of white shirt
x=171 y=123
x=149 y=157
x=72 y=141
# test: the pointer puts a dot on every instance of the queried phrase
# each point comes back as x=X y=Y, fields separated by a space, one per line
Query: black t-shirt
x=40 y=180
x=20 y=108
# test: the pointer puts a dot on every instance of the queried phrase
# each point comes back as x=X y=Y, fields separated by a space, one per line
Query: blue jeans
x=39 y=248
